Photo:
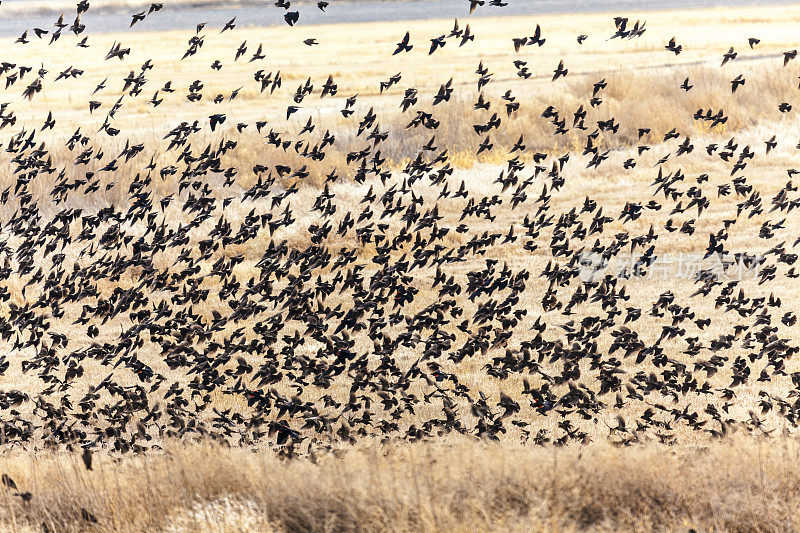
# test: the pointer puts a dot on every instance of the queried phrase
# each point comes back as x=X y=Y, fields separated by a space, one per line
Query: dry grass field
x=233 y=365
x=743 y=484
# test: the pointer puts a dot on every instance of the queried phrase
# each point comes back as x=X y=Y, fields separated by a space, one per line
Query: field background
x=749 y=483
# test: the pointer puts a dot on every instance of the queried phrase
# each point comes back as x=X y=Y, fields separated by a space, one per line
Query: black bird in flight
x=403 y=45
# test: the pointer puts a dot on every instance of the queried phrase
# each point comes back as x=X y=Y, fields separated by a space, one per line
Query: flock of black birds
x=307 y=346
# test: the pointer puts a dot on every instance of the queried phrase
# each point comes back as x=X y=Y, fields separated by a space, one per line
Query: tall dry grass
x=734 y=485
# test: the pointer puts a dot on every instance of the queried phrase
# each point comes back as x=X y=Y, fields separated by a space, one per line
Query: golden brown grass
x=742 y=484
